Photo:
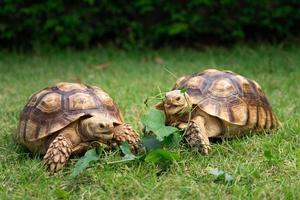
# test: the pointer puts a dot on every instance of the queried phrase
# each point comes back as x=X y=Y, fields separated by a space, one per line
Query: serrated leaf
x=151 y=143
x=161 y=155
x=83 y=162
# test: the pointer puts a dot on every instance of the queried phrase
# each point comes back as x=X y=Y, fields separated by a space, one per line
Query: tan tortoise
x=216 y=103
x=66 y=118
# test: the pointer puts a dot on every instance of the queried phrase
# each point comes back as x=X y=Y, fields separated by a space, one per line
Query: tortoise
x=67 y=118
x=217 y=104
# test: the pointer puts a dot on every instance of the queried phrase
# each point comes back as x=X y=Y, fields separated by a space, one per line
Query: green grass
x=130 y=79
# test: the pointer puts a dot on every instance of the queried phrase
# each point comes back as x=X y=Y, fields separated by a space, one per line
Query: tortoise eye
x=178 y=98
x=101 y=125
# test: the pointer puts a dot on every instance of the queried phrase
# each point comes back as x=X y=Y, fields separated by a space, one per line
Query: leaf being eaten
x=154 y=121
x=83 y=162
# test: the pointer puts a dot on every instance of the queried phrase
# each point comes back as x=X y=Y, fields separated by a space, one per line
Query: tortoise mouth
x=172 y=105
x=174 y=109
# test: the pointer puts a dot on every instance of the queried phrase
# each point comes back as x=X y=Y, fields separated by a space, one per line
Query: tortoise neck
x=81 y=131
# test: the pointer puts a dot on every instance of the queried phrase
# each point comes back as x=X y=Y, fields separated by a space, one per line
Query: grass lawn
x=263 y=166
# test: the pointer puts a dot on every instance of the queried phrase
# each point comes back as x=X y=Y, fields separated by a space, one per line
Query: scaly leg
x=58 y=153
x=124 y=133
x=196 y=135
x=61 y=147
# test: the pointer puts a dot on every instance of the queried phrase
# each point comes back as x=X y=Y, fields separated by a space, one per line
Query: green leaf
x=151 y=143
x=129 y=157
x=221 y=175
x=154 y=121
x=161 y=155
x=164 y=131
x=83 y=162
x=173 y=140
x=126 y=150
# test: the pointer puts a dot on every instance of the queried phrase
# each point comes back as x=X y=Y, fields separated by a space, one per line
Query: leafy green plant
x=154 y=122
x=84 y=162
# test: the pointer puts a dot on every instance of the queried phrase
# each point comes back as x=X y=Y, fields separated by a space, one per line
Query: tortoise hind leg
x=197 y=136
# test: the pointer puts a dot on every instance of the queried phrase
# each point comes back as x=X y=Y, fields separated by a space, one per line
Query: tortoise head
x=174 y=102
x=98 y=127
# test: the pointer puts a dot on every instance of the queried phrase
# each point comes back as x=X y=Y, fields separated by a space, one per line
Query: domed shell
x=55 y=107
x=231 y=97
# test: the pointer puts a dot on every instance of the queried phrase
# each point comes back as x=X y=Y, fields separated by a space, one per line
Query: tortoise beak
x=167 y=105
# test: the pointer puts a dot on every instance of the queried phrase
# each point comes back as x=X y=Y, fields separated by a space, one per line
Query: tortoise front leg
x=196 y=135
x=124 y=133
x=61 y=147
x=58 y=153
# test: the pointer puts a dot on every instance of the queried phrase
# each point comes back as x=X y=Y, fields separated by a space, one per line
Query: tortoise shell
x=230 y=97
x=55 y=107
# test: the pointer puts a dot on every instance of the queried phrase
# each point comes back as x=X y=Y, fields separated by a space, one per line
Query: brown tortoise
x=68 y=118
x=222 y=104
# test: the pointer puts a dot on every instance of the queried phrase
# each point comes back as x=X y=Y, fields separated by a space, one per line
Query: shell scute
x=50 y=103
x=81 y=101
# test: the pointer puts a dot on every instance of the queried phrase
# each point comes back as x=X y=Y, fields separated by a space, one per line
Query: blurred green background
x=86 y=23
